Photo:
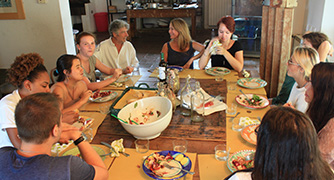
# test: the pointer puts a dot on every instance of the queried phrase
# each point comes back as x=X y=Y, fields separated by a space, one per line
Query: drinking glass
x=231 y=86
x=104 y=109
x=232 y=109
x=88 y=134
x=180 y=145
x=142 y=145
x=222 y=152
x=135 y=71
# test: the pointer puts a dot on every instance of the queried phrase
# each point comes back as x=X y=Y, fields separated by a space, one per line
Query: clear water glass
x=222 y=152
x=180 y=145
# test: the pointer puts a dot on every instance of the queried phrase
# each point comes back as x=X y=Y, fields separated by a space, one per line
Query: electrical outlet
x=41 y=1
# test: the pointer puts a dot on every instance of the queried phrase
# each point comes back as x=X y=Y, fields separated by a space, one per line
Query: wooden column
x=276 y=36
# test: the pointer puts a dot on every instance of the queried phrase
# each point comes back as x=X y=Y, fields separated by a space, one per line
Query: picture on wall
x=11 y=9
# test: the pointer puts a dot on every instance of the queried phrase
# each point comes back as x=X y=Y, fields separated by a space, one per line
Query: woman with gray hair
x=117 y=52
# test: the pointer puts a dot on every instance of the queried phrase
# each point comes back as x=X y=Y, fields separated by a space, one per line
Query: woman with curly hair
x=70 y=86
x=181 y=48
x=319 y=94
x=287 y=148
x=86 y=47
x=30 y=76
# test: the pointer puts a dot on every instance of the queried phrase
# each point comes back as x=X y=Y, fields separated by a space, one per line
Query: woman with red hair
x=224 y=51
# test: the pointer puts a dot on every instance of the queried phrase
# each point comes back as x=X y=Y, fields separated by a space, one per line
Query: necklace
x=68 y=91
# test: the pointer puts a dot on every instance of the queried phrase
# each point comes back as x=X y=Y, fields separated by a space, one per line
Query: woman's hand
x=288 y=104
x=220 y=50
x=188 y=64
x=86 y=95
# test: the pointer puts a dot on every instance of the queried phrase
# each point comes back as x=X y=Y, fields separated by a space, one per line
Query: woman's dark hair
x=316 y=38
x=287 y=148
x=64 y=62
x=321 y=107
x=26 y=67
x=229 y=23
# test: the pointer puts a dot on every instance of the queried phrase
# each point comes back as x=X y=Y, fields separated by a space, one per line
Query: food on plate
x=245 y=121
x=215 y=44
x=241 y=163
x=254 y=101
x=208 y=104
x=143 y=116
x=245 y=73
x=140 y=95
x=181 y=158
x=100 y=94
x=85 y=121
x=155 y=162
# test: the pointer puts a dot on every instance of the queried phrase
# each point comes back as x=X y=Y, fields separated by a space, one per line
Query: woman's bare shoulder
x=58 y=86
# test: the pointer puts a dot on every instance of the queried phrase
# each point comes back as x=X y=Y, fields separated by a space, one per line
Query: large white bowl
x=153 y=129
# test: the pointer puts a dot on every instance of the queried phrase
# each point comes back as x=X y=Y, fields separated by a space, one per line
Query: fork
x=172 y=167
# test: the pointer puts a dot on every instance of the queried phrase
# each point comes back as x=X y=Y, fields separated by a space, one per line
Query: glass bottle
x=173 y=80
x=161 y=89
x=171 y=96
x=197 y=104
x=185 y=96
x=162 y=69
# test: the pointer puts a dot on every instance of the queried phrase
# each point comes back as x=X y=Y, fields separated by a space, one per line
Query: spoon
x=123 y=120
x=231 y=119
x=247 y=99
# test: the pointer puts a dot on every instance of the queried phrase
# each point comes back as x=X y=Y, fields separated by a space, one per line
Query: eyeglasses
x=292 y=63
x=256 y=130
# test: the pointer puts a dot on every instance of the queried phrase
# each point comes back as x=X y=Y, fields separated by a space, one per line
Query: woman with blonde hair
x=181 y=48
x=299 y=68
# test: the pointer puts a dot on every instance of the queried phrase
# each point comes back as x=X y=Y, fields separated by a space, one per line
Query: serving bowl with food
x=152 y=114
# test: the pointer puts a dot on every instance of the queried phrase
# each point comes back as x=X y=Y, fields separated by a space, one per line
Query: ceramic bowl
x=153 y=128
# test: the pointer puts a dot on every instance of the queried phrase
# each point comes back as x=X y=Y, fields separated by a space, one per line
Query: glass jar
x=185 y=96
x=197 y=104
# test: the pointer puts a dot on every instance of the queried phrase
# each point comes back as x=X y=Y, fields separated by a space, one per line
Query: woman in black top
x=181 y=48
x=227 y=53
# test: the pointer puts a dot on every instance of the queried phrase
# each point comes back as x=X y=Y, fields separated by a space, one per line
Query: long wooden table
x=202 y=137
x=160 y=13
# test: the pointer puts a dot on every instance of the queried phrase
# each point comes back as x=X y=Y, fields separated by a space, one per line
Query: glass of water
x=180 y=145
x=222 y=152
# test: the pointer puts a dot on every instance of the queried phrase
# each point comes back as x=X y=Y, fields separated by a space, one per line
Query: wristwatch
x=79 y=140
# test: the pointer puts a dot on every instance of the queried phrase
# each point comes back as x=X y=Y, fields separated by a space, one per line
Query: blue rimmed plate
x=251 y=83
x=175 y=162
x=180 y=68
x=217 y=71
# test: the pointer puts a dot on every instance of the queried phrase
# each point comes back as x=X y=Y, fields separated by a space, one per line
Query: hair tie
x=57 y=71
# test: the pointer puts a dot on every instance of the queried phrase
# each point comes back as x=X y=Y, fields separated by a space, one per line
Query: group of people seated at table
x=293 y=142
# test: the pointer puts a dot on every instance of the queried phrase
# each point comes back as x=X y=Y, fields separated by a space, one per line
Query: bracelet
x=79 y=140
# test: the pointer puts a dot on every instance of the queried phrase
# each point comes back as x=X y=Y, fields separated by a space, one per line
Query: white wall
x=300 y=17
x=42 y=31
x=315 y=15
x=327 y=25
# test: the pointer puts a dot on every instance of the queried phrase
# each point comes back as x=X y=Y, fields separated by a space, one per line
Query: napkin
x=217 y=105
x=118 y=147
x=245 y=121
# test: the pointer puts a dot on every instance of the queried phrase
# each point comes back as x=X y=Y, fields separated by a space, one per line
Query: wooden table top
x=202 y=137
